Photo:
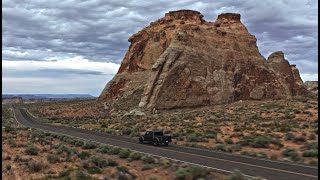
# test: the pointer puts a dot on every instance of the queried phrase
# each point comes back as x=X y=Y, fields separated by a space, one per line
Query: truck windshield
x=158 y=133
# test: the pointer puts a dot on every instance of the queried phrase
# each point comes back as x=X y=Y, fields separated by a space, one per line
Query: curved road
x=221 y=162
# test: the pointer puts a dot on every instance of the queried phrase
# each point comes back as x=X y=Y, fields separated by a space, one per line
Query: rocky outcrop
x=181 y=60
x=312 y=86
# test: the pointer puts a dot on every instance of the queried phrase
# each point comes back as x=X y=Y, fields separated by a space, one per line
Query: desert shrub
x=89 y=145
x=98 y=161
x=289 y=136
x=236 y=175
x=228 y=141
x=84 y=155
x=292 y=154
x=124 y=153
x=194 y=172
x=127 y=131
x=9 y=129
x=112 y=162
x=94 y=170
x=147 y=167
x=182 y=173
x=248 y=153
x=82 y=174
x=312 y=137
x=135 y=156
x=310 y=153
x=114 y=150
x=312 y=145
x=102 y=148
x=8 y=167
x=196 y=138
x=31 y=150
x=222 y=147
x=104 y=125
x=299 y=139
x=198 y=172
x=52 y=158
x=63 y=148
x=148 y=159
x=236 y=147
x=122 y=169
x=36 y=166
x=261 y=142
x=79 y=143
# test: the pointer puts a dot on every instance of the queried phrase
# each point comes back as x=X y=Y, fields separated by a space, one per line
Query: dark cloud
x=98 y=30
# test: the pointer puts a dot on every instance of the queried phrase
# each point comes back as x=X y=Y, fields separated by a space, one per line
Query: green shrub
x=102 y=148
x=124 y=153
x=94 y=170
x=182 y=173
x=135 y=156
x=122 y=169
x=112 y=162
x=193 y=172
x=196 y=138
x=222 y=147
x=89 y=145
x=36 y=166
x=299 y=139
x=32 y=150
x=63 y=148
x=312 y=145
x=148 y=159
x=114 y=150
x=79 y=143
x=127 y=131
x=98 y=161
x=198 y=172
x=292 y=153
x=84 y=155
x=248 y=153
x=147 y=167
x=8 y=167
x=228 y=141
x=236 y=147
x=52 y=158
x=289 y=136
x=261 y=142
x=310 y=153
x=236 y=175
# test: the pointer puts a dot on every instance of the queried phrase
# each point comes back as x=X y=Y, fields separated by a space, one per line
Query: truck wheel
x=156 y=143
x=166 y=144
x=140 y=141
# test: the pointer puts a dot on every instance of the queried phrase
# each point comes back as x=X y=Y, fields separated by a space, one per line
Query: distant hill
x=47 y=96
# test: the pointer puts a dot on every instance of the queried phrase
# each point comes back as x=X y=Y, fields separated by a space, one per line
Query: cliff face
x=181 y=60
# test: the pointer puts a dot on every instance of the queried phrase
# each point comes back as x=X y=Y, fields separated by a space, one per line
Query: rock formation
x=181 y=60
x=312 y=86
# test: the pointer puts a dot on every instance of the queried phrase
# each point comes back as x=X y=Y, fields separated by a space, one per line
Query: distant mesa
x=46 y=96
x=181 y=60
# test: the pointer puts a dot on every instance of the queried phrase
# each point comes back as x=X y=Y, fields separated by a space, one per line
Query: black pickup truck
x=155 y=137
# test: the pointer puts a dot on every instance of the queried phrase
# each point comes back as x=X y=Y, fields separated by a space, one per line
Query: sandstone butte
x=181 y=60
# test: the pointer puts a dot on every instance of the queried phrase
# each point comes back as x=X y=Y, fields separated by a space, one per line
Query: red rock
x=181 y=60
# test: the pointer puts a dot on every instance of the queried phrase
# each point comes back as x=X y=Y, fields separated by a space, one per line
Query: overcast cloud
x=76 y=46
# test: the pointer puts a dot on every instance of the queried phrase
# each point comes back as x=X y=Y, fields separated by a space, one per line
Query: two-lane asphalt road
x=223 y=162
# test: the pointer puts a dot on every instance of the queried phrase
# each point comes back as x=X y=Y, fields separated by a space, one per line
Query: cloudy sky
x=76 y=46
